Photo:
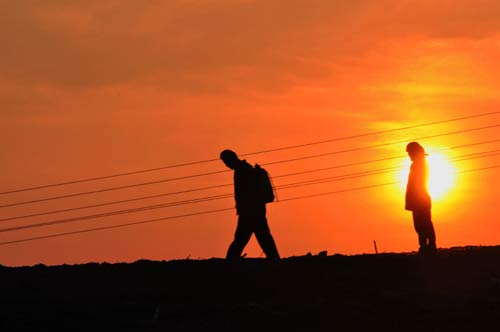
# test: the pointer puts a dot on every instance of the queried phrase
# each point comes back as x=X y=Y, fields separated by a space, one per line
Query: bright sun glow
x=441 y=175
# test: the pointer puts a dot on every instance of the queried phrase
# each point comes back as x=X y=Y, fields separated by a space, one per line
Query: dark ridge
x=458 y=289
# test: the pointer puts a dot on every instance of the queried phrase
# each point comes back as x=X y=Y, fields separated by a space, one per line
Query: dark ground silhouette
x=456 y=290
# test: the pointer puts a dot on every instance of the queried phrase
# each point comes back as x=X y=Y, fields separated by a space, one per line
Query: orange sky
x=91 y=88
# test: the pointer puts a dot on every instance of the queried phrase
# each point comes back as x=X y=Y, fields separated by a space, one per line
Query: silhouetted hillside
x=456 y=290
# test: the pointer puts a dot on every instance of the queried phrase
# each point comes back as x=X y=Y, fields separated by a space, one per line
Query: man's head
x=415 y=151
x=230 y=158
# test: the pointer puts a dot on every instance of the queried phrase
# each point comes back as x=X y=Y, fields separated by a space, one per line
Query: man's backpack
x=264 y=185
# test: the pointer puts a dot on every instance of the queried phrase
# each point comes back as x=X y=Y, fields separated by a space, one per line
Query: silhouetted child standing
x=418 y=199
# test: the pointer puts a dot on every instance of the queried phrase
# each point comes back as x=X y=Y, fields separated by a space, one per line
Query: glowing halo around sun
x=441 y=175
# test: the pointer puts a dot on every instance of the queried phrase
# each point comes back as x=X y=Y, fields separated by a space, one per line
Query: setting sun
x=441 y=175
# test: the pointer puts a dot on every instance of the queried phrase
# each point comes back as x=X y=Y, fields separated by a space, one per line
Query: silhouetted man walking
x=251 y=209
x=418 y=199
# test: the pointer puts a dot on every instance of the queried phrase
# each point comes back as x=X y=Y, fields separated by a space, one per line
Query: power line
x=178 y=203
x=478 y=155
x=373 y=133
x=190 y=201
x=113 y=213
x=248 y=154
x=166 y=205
x=382 y=159
x=338 y=177
x=205 y=199
x=217 y=172
x=372 y=186
x=116 y=202
x=337 y=192
x=112 y=189
x=379 y=171
x=114 y=226
x=381 y=145
x=208 y=212
x=230 y=184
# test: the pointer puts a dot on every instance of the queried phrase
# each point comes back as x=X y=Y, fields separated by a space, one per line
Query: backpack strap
x=259 y=168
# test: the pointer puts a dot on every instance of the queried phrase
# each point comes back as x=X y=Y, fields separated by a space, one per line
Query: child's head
x=415 y=151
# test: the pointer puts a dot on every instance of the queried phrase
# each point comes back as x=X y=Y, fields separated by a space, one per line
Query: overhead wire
x=208 y=212
x=384 y=159
x=377 y=185
x=117 y=202
x=223 y=171
x=230 y=184
x=249 y=154
x=114 y=226
x=381 y=145
x=111 y=189
x=218 y=197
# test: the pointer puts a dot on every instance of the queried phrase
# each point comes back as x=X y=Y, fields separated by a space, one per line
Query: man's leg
x=241 y=238
x=264 y=237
